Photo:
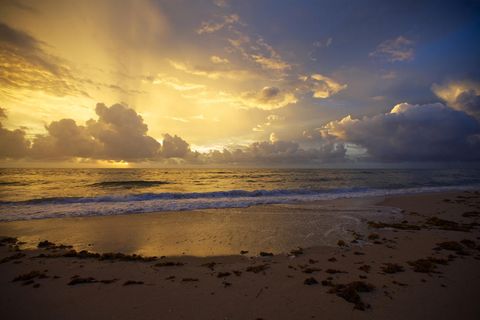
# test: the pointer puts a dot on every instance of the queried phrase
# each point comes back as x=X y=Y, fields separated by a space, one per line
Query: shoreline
x=430 y=255
x=134 y=204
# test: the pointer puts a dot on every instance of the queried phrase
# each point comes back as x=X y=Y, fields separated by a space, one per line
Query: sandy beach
x=410 y=256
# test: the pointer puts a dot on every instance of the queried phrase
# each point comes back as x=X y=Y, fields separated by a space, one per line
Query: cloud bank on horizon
x=239 y=82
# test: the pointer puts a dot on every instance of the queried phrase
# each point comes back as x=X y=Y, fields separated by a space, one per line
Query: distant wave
x=129 y=184
x=175 y=195
x=12 y=183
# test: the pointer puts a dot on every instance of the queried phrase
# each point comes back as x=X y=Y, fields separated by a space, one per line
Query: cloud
x=461 y=95
x=174 y=83
x=268 y=98
x=270 y=63
x=216 y=71
x=175 y=147
x=65 y=139
x=119 y=133
x=25 y=65
x=321 y=86
x=398 y=49
x=13 y=143
x=430 y=132
x=123 y=133
x=214 y=26
x=219 y=60
x=277 y=151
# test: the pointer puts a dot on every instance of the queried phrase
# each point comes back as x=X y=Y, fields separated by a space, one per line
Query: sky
x=143 y=83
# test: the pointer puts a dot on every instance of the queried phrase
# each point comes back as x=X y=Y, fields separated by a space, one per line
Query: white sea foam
x=155 y=202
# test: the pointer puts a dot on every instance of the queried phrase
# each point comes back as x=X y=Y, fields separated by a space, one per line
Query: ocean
x=54 y=193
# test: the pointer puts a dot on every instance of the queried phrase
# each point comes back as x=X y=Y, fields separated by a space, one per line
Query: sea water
x=54 y=193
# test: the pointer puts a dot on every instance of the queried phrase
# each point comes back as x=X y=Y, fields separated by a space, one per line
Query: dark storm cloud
x=278 y=152
x=469 y=101
x=17 y=38
x=119 y=133
x=175 y=147
x=26 y=65
x=123 y=133
x=13 y=143
x=431 y=132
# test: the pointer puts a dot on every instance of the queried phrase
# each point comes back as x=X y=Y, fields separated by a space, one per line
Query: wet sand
x=421 y=260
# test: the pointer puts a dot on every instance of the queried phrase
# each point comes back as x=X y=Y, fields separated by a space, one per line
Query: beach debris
x=327 y=283
x=237 y=273
x=469 y=243
x=311 y=270
x=226 y=284
x=210 y=265
x=334 y=271
x=45 y=244
x=79 y=280
x=373 y=236
x=341 y=243
x=471 y=214
x=84 y=254
x=132 y=282
x=8 y=241
x=75 y=280
x=400 y=226
x=190 y=280
x=223 y=274
x=242 y=252
x=126 y=257
x=358 y=253
x=392 y=268
x=170 y=278
x=350 y=293
x=312 y=261
x=296 y=252
x=15 y=256
x=401 y=284
x=451 y=246
x=35 y=274
x=310 y=281
x=168 y=264
x=365 y=268
x=427 y=265
x=258 y=268
x=332 y=259
x=266 y=254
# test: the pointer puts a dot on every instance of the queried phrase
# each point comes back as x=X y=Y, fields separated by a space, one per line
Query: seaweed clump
x=310 y=281
x=258 y=268
x=350 y=293
x=392 y=268
x=427 y=265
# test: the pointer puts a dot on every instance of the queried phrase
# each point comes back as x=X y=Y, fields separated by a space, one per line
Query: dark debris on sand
x=15 y=256
x=169 y=264
x=350 y=292
x=258 y=268
x=427 y=265
x=76 y=280
x=310 y=281
x=35 y=274
x=392 y=268
x=132 y=282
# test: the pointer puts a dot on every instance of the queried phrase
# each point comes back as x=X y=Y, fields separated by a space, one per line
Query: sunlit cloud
x=213 y=26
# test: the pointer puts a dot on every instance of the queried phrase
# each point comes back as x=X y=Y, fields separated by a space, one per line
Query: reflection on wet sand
x=274 y=228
